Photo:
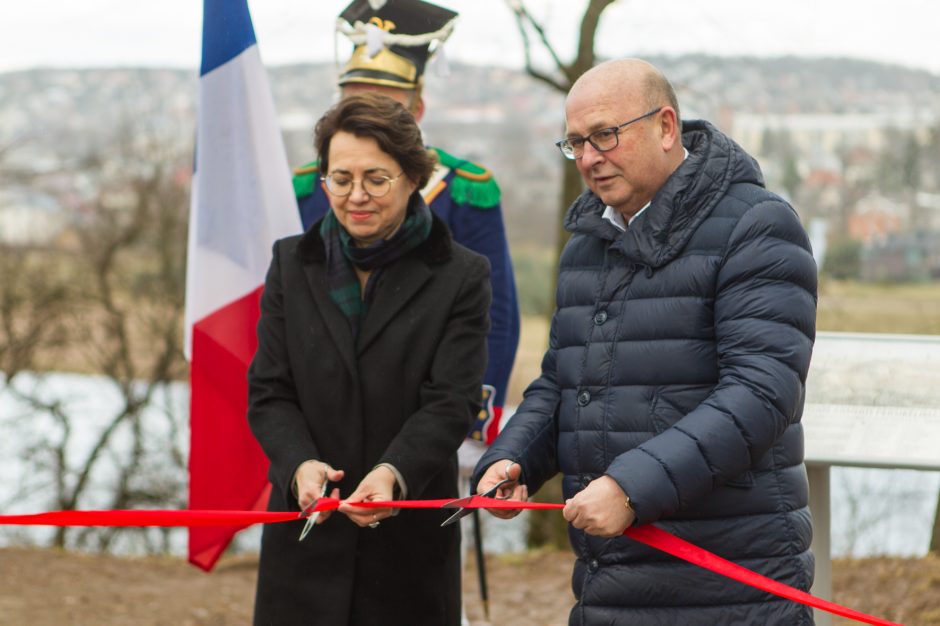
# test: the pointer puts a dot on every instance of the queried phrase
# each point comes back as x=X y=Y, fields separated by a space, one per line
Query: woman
x=371 y=352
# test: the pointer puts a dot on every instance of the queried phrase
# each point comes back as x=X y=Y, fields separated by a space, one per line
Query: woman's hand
x=309 y=480
x=504 y=469
x=379 y=484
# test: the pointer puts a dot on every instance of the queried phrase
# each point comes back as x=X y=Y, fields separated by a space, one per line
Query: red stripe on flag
x=492 y=428
x=227 y=468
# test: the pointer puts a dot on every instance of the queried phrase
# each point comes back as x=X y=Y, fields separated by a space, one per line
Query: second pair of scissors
x=461 y=503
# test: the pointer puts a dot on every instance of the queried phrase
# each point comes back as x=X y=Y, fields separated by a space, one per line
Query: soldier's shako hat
x=393 y=40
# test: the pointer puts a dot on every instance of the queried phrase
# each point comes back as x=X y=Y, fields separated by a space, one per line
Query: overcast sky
x=82 y=33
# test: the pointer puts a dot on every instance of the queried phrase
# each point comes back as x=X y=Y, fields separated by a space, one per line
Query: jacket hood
x=715 y=162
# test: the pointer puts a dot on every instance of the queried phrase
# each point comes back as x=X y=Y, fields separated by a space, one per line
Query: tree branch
x=586 y=39
x=522 y=15
x=589 y=22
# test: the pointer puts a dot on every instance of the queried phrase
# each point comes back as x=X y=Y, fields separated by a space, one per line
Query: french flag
x=242 y=201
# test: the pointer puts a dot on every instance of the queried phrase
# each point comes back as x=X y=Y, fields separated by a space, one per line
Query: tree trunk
x=935 y=536
x=553 y=530
x=571 y=188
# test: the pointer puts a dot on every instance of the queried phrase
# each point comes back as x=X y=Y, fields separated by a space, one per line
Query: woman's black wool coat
x=403 y=392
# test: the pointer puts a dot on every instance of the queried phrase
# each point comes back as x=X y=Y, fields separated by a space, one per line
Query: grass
x=879 y=308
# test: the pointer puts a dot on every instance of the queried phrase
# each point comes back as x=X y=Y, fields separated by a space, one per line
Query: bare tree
x=32 y=307
x=107 y=300
x=32 y=300
x=561 y=76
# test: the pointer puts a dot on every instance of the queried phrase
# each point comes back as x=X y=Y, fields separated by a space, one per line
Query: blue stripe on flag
x=226 y=32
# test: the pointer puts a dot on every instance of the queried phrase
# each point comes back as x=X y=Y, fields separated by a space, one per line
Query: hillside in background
x=837 y=136
x=49 y=119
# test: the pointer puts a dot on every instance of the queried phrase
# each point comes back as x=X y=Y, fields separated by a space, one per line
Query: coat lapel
x=401 y=281
x=334 y=319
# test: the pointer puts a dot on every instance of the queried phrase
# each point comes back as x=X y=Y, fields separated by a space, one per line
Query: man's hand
x=309 y=479
x=379 y=484
x=600 y=509
x=501 y=470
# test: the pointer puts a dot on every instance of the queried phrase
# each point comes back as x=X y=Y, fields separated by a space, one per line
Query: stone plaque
x=870 y=436
x=873 y=400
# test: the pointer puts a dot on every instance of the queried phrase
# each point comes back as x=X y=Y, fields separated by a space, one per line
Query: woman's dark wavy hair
x=387 y=122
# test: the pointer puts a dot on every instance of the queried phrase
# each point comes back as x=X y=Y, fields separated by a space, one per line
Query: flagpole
x=481 y=563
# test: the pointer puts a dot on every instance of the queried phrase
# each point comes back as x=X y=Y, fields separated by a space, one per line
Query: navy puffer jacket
x=676 y=365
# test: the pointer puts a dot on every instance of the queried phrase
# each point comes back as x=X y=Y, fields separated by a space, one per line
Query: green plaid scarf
x=342 y=254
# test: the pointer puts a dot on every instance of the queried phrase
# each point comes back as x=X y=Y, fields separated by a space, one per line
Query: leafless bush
x=105 y=298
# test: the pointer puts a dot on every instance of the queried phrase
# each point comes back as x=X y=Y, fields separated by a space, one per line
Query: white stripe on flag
x=242 y=198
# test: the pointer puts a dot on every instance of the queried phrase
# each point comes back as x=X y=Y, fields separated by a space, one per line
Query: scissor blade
x=311 y=522
x=311 y=514
x=307 y=512
x=462 y=513
x=463 y=502
x=459 y=503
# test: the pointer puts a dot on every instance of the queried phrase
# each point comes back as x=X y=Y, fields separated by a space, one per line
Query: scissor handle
x=492 y=491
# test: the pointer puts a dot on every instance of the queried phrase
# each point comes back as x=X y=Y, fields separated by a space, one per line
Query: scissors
x=461 y=503
x=310 y=514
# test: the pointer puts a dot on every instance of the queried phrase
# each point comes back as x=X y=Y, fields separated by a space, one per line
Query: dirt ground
x=48 y=587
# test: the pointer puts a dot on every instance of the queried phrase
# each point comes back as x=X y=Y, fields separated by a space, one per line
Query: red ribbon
x=649 y=535
x=147 y=518
x=670 y=544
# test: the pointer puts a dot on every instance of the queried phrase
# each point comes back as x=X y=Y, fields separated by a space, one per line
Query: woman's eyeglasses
x=341 y=185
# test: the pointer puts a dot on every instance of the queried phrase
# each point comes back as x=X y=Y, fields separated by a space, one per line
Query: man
x=392 y=47
x=673 y=385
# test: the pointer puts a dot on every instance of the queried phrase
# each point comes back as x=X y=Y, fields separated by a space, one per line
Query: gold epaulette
x=480 y=177
x=309 y=168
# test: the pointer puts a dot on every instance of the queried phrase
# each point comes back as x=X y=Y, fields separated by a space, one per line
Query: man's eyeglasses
x=341 y=185
x=603 y=139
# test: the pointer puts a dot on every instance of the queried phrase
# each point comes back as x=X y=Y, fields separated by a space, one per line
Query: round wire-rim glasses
x=602 y=139
x=341 y=185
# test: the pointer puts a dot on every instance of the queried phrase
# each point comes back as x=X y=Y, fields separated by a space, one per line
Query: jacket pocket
x=667 y=408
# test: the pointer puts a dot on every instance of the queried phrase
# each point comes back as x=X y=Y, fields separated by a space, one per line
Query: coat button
x=584 y=398
x=600 y=317
x=592 y=566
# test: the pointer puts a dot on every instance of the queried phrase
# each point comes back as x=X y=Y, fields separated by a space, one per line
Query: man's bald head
x=628 y=80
